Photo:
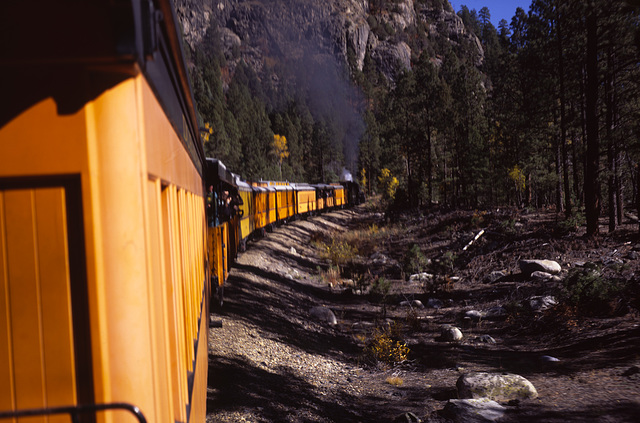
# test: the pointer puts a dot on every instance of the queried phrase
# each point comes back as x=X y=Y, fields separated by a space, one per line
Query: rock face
x=265 y=32
x=497 y=387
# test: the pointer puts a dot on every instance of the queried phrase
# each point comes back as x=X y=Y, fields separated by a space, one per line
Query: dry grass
x=395 y=380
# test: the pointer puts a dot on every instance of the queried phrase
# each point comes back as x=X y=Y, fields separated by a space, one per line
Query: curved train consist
x=239 y=209
x=115 y=229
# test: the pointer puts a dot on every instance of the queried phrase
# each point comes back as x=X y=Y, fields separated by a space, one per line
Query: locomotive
x=115 y=230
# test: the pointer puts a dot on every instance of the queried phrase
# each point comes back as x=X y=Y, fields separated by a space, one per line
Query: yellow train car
x=284 y=202
x=247 y=222
x=272 y=210
x=103 y=285
x=222 y=231
x=339 y=195
x=305 y=199
x=260 y=207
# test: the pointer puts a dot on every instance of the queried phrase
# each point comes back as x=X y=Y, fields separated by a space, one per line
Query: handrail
x=75 y=410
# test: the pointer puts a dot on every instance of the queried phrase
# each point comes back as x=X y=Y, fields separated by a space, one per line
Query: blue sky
x=500 y=9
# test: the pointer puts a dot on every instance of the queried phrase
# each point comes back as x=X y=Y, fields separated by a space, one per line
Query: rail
x=75 y=411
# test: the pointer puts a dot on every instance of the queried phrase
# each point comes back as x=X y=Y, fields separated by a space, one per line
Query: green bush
x=415 y=261
x=590 y=292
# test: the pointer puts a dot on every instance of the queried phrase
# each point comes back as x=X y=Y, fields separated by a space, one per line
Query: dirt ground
x=272 y=361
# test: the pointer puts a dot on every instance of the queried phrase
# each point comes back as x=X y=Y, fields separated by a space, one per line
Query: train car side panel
x=119 y=224
x=247 y=222
x=271 y=207
x=35 y=300
x=340 y=198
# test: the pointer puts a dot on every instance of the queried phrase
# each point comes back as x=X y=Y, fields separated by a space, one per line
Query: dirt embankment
x=272 y=361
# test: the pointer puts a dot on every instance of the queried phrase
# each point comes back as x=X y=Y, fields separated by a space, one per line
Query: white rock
x=451 y=333
x=529 y=266
x=498 y=387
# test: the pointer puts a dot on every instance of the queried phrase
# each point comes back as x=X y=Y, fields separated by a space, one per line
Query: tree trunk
x=611 y=159
x=563 y=120
x=591 y=186
x=638 y=194
x=429 y=169
x=558 y=180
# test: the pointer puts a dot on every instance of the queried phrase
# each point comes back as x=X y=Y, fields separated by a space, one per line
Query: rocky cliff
x=272 y=34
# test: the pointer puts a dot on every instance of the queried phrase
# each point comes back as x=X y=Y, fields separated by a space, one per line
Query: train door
x=45 y=341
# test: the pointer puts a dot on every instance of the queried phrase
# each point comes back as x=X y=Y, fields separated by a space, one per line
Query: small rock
x=473 y=410
x=529 y=266
x=434 y=303
x=293 y=251
x=486 y=339
x=406 y=418
x=412 y=304
x=379 y=258
x=633 y=370
x=324 y=314
x=539 y=275
x=421 y=277
x=474 y=315
x=548 y=359
x=608 y=261
x=496 y=313
x=542 y=303
x=632 y=255
x=494 y=276
x=450 y=333
x=498 y=387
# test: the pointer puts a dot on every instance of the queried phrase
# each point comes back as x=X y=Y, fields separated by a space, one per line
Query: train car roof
x=303 y=187
x=243 y=186
x=324 y=186
x=75 y=50
x=216 y=170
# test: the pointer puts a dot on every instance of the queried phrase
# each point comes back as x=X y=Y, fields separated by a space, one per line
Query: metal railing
x=74 y=411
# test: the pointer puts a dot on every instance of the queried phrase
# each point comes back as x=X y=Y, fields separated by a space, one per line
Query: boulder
x=549 y=266
x=473 y=410
x=498 y=387
x=324 y=314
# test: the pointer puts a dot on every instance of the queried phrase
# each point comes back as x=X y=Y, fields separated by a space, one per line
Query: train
x=256 y=207
x=116 y=232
